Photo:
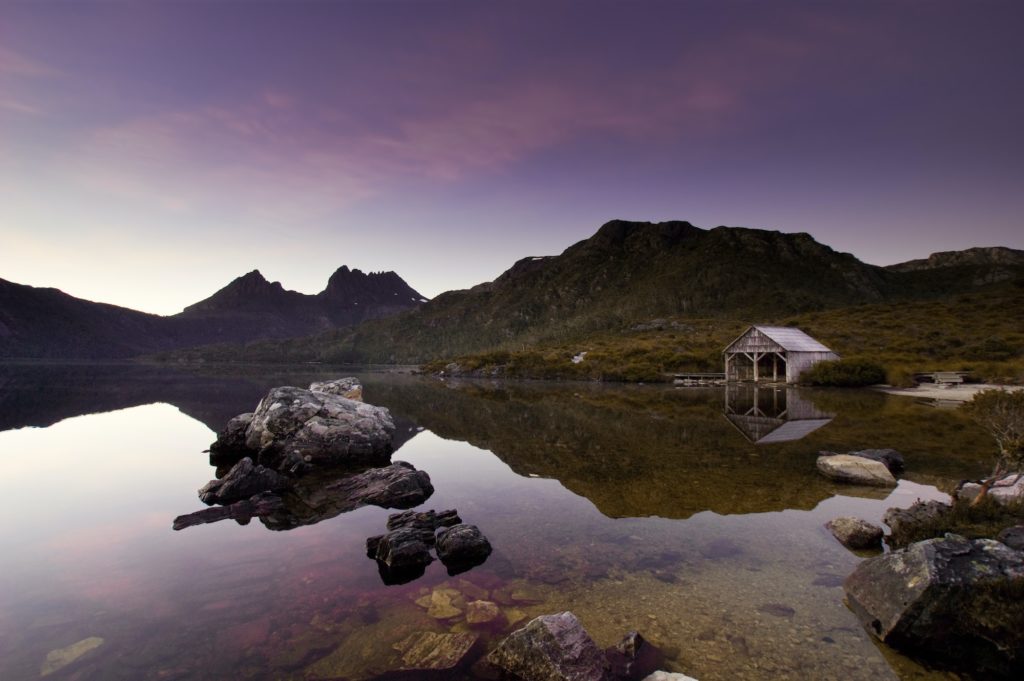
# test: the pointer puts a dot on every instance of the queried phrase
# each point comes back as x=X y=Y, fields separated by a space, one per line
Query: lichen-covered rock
x=551 y=648
x=482 y=613
x=854 y=533
x=294 y=429
x=1005 y=490
x=952 y=601
x=892 y=459
x=242 y=482
x=349 y=388
x=462 y=547
x=855 y=470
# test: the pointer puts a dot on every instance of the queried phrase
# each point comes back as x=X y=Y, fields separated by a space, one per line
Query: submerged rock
x=854 y=533
x=482 y=613
x=462 y=547
x=62 y=657
x=551 y=648
x=428 y=654
x=242 y=482
x=1005 y=490
x=855 y=470
x=952 y=601
x=892 y=459
x=668 y=676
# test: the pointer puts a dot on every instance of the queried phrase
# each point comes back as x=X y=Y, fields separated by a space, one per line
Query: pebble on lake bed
x=62 y=657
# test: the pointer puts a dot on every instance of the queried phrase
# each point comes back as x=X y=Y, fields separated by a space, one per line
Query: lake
x=693 y=515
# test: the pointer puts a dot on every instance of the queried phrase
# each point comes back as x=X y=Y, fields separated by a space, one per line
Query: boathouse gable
x=773 y=354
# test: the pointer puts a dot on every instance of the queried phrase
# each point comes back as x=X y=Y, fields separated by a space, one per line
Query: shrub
x=844 y=373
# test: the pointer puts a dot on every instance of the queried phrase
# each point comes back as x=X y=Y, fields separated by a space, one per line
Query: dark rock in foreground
x=551 y=648
x=311 y=500
x=258 y=506
x=241 y=482
x=462 y=547
x=404 y=551
x=951 y=601
x=854 y=533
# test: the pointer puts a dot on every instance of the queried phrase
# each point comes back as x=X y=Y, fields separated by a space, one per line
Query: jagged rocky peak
x=982 y=255
x=355 y=285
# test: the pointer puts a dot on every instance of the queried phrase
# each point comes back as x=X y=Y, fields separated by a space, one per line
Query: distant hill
x=971 y=257
x=45 y=323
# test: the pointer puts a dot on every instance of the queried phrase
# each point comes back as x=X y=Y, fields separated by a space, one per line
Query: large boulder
x=952 y=601
x=855 y=533
x=295 y=429
x=241 y=482
x=904 y=521
x=855 y=470
x=551 y=648
x=230 y=443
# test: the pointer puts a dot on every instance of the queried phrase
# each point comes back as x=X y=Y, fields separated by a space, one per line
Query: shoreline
x=957 y=393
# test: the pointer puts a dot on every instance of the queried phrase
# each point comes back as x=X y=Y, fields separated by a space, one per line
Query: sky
x=151 y=152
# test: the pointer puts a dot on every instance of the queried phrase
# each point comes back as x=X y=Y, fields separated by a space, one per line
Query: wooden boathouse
x=773 y=354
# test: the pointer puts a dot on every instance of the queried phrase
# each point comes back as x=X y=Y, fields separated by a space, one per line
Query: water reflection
x=772 y=414
x=735 y=578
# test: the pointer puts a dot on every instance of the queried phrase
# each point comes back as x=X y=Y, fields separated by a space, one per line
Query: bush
x=844 y=373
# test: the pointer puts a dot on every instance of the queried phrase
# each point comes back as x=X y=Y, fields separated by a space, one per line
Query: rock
x=242 y=482
x=350 y=388
x=892 y=459
x=1004 y=490
x=444 y=604
x=668 y=676
x=295 y=429
x=902 y=520
x=428 y=520
x=400 y=549
x=854 y=533
x=426 y=654
x=462 y=547
x=230 y=443
x=259 y=505
x=855 y=470
x=551 y=648
x=1013 y=537
x=952 y=601
x=633 y=658
x=479 y=613
x=62 y=657
x=399 y=485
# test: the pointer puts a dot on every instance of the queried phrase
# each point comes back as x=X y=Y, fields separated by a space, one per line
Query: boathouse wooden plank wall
x=773 y=354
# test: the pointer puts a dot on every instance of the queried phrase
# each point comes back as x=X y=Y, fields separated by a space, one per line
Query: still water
x=692 y=515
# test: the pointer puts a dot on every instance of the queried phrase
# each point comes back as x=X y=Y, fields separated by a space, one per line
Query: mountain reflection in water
x=637 y=507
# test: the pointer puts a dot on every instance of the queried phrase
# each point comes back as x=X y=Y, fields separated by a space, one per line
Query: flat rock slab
x=952 y=601
x=855 y=470
x=62 y=657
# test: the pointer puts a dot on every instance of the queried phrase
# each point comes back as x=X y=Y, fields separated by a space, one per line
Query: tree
x=1001 y=413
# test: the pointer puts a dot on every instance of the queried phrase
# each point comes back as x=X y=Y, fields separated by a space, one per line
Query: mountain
x=48 y=323
x=632 y=272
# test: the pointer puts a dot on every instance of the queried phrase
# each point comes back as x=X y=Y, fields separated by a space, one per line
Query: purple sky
x=149 y=153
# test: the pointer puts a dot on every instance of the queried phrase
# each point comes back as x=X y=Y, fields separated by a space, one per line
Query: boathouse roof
x=791 y=339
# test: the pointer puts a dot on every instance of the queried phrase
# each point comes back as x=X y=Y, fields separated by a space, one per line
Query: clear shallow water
x=635 y=507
